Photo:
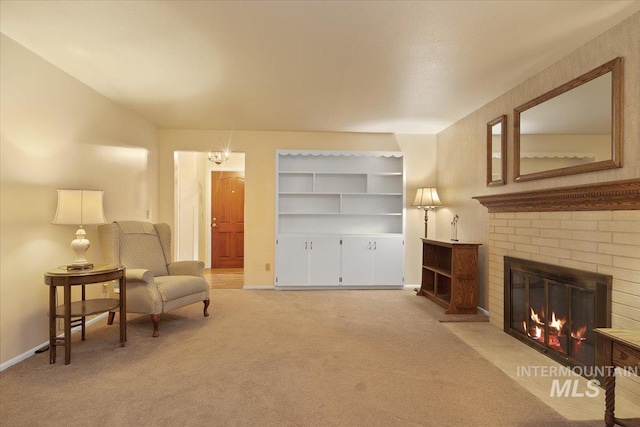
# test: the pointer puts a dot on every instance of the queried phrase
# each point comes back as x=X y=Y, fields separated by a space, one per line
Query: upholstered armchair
x=155 y=285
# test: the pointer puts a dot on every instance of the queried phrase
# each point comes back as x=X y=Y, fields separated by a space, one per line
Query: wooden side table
x=621 y=349
x=80 y=309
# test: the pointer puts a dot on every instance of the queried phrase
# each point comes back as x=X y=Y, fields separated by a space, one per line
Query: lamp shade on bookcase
x=79 y=208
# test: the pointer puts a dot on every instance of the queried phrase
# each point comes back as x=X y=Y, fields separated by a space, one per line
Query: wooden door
x=227 y=219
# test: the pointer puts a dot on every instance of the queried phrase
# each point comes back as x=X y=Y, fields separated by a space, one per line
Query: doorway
x=193 y=203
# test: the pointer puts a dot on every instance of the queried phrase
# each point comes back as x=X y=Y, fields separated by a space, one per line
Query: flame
x=579 y=334
x=555 y=339
x=536 y=318
x=578 y=337
x=557 y=324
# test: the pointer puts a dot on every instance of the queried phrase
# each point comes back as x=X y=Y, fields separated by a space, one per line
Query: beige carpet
x=274 y=358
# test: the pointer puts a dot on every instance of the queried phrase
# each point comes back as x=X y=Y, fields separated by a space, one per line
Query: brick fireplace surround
x=594 y=228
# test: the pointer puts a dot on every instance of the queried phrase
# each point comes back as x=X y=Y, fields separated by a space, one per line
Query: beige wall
x=461 y=147
x=420 y=170
x=260 y=149
x=58 y=133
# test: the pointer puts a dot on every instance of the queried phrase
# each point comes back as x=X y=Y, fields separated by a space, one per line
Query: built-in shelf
x=339 y=219
x=344 y=193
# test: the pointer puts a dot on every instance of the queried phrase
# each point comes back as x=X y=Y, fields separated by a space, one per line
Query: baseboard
x=411 y=287
x=258 y=287
x=337 y=288
x=27 y=354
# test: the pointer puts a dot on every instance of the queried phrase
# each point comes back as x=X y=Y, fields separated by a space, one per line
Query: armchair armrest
x=139 y=274
x=143 y=295
x=186 y=268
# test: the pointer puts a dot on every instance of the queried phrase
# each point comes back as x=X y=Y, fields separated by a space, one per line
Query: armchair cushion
x=174 y=287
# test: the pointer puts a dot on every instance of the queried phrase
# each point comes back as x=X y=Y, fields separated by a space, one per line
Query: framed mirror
x=497 y=151
x=574 y=128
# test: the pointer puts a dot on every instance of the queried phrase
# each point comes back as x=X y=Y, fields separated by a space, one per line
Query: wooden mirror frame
x=615 y=67
x=502 y=120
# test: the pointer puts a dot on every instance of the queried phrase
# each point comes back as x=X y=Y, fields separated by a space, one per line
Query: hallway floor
x=224 y=278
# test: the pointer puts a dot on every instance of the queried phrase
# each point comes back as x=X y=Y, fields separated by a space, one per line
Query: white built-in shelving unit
x=327 y=201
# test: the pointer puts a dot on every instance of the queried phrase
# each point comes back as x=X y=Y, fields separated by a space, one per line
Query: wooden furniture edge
x=613 y=195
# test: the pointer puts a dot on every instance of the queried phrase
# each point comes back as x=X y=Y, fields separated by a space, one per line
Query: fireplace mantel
x=606 y=196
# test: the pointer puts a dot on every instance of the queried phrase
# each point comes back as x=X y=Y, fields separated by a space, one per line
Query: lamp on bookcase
x=80 y=208
x=427 y=199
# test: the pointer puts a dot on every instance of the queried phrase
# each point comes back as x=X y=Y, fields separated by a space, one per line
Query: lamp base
x=71 y=267
x=80 y=245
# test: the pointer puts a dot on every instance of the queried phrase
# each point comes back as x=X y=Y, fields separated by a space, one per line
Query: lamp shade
x=79 y=207
x=426 y=197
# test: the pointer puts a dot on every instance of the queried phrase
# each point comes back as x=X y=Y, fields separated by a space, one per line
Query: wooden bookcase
x=450 y=275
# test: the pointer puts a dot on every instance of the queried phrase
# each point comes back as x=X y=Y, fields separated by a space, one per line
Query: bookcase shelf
x=450 y=275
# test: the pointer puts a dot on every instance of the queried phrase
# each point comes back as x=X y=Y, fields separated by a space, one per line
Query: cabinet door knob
x=375 y=245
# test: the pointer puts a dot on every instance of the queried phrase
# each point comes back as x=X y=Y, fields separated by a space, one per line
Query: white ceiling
x=362 y=66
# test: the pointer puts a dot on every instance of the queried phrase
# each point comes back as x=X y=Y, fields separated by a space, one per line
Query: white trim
x=258 y=287
x=31 y=352
x=411 y=287
x=338 y=287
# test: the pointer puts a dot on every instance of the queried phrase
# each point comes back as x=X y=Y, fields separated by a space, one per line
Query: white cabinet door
x=303 y=261
x=324 y=260
x=292 y=261
x=372 y=261
x=357 y=261
x=388 y=261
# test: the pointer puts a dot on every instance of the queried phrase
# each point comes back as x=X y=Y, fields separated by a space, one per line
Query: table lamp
x=427 y=199
x=79 y=207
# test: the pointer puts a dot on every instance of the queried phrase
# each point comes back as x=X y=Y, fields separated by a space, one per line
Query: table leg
x=52 y=324
x=83 y=322
x=123 y=311
x=67 y=323
x=609 y=382
x=609 y=399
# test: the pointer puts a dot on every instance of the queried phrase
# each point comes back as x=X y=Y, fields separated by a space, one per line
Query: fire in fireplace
x=555 y=309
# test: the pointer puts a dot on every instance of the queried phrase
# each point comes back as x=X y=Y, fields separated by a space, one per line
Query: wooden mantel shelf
x=606 y=196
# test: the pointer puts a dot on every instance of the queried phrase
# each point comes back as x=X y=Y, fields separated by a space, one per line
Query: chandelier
x=218 y=157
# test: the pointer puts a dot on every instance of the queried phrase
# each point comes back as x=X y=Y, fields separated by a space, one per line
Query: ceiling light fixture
x=218 y=157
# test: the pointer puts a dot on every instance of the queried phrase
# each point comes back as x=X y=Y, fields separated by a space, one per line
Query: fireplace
x=555 y=309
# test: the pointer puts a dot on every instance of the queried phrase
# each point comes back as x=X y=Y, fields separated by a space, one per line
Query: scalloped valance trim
x=340 y=153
